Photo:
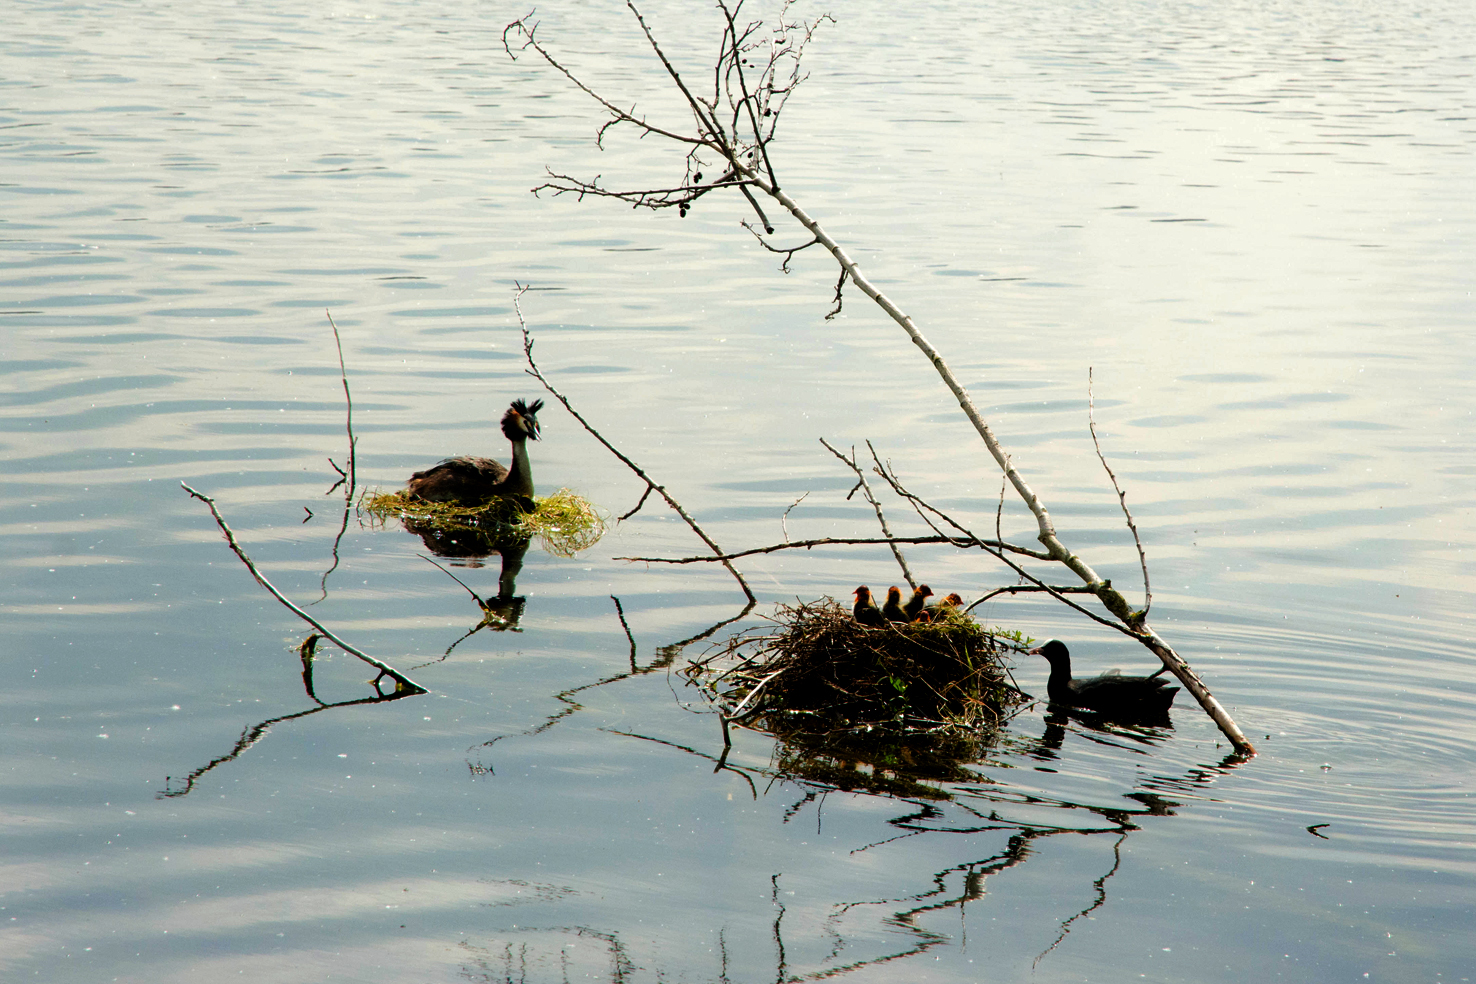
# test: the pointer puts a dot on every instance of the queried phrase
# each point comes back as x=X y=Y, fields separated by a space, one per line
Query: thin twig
x=348 y=399
x=784 y=520
x=1121 y=497
x=1026 y=588
x=881 y=518
x=786 y=251
x=384 y=668
x=637 y=508
x=923 y=507
x=957 y=541
x=537 y=374
x=840 y=286
x=999 y=510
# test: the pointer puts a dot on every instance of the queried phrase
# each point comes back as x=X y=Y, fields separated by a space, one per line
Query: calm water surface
x=1255 y=223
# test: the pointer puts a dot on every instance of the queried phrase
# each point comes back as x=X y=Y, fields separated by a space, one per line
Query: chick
x=893 y=608
x=865 y=612
x=914 y=605
x=952 y=603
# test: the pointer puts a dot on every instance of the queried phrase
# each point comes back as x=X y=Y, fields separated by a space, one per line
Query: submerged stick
x=385 y=670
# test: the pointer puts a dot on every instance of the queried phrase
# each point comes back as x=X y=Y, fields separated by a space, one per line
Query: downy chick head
x=914 y=605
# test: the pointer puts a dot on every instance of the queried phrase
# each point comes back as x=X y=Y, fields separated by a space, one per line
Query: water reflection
x=948 y=788
x=502 y=612
x=1294 y=382
x=1149 y=730
x=256 y=732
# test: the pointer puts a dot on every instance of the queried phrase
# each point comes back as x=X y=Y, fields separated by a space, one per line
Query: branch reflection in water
x=256 y=732
x=944 y=791
x=348 y=477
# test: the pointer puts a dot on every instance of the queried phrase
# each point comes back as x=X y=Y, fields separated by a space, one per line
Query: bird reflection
x=1146 y=732
x=501 y=612
x=471 y=544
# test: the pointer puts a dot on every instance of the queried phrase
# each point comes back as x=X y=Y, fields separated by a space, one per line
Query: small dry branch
x=385 y=670
x=651 y=485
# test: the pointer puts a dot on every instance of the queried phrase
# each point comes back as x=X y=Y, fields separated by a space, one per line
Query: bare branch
x=351 y=475
x=681 y=196
x=749 y=161
x=385 y=670
x=1026 y=588
x=839 y=299
x=348 y=400
x=999 y=510
x=881 y=518
x=784 y=520
x=704 y=119
x=1121 y=497
x=528 y=32
x=786 y=252
x=637 y=508
x=651 y=485
x=922 y=506
x=823 y=541
x=747 y=101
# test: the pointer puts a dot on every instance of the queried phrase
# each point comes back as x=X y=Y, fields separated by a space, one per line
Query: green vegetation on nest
x=565 y=523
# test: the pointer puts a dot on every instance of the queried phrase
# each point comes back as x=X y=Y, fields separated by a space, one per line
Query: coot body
x=1110 y=693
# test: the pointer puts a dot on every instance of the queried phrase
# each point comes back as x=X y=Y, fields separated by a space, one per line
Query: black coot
x=1110 y=693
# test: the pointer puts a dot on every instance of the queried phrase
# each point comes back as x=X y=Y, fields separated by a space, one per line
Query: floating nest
x=816 y=670
x=565 y=523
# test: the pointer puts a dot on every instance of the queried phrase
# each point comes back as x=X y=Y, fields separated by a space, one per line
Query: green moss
x=565 y=523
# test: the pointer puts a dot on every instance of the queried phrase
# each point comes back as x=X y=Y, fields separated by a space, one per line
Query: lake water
x=1254 y=223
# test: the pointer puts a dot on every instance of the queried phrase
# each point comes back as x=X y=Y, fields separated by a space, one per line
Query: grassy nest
x=565 y=523
x=817 y=670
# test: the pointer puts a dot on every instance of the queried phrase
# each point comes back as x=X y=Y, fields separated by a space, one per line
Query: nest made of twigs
x=816 y=669
x=564 y=522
